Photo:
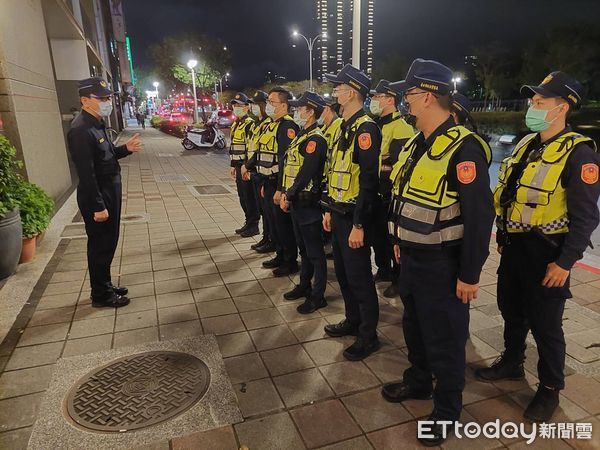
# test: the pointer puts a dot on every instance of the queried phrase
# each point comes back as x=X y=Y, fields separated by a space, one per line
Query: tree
x=299 y=87
x=392 y=68
x=496 y=69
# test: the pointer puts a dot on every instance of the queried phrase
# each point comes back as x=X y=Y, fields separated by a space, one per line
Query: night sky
x=257 y=32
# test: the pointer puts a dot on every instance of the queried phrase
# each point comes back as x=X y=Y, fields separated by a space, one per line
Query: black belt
x=338 y=207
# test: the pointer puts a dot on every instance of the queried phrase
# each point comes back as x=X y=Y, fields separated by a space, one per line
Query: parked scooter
x=209 y=136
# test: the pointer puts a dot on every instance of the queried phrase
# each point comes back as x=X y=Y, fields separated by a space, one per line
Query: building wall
x=28 y=99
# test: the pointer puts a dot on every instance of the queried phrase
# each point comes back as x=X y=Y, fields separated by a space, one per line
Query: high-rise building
x=334 y=49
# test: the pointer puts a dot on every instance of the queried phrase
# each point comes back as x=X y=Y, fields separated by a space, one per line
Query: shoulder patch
x=466 y=172
x=364 y=141
x=311 y=147
x=589 y=173
x=291 y=133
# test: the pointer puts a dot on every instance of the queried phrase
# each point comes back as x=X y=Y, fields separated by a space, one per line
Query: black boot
x=113 y=301
x=285 y=270
x=242 y=229
x=361 y=349
x=391 y=291
x=435 y=433
x=501 y=369
x=273 y=263
x=260 y=243
x=122 y=291
x=297 y=292
x=344 y=328
x=252 y=230
x=543 y=405
x=311 y=305
x=398 y=392
x=266 y=248
x=382 y=276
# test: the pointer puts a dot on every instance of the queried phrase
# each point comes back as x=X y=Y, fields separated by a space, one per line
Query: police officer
x=258 y=103
x=352 y=190
x=394 y=134
x=442 y=214
x=268 y=161
x=241 y=131
x=546 y=206
x=99 y=188
x=302 y=180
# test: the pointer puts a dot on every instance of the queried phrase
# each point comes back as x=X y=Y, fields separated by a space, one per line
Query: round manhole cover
x=138 y=391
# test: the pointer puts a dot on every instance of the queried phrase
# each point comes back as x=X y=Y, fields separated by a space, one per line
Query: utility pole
x=356 y=22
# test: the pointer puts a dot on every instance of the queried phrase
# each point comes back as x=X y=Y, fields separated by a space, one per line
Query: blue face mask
x=535 y=119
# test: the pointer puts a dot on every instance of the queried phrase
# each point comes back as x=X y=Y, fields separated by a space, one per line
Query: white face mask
x=321 y=121
x=270 y=110
x=239 y=111
x=300 y=121
x=375 y=107
x=255 y=110
x=105 y=108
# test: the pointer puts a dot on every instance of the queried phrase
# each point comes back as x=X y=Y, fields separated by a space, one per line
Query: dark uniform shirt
x=368 y=160
x=476 y=202
x=582 y=198
x=95 y=158
x=312 y=166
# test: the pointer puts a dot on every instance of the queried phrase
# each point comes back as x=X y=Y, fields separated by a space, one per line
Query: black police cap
x=95 y=86
x=428 y=75
x=311 y=99
x=353 y=77
x=240 y=99
x=461 y=103
x=383 y=87
x=558 y=84
x=259 y=97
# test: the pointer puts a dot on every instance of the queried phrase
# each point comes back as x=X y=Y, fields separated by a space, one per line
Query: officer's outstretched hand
x=356 y=238
x=134 y=144
x=277 y=197
x=556 y=276
x=397 y=253
x=245 y=174
x=327 y=222
x=466 y=292
x=284 y=204
x=101 y=216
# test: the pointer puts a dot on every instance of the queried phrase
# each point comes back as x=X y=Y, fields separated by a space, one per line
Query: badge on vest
x=589 y=173
x=291 y=133
x=100 y=141
x=311 y=147
x=466 y=172
x=364 y=141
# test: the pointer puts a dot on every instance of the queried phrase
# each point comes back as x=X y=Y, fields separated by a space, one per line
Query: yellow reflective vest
x=240 y=132
x=267 y=148
x=342 y=180
x=294 y=159
x=331 y=134
x=258 y=128
x=395 y=130
x=540 y=199
x=424 y=210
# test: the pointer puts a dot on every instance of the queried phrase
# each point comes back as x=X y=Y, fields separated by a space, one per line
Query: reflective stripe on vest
x=426 y=211
x=240 y=131
x=294 y=159
x=342 y=180
x=267 y=148
x=541 y=199
x=395 y=130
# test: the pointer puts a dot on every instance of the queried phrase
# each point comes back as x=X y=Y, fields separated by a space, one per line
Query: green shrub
x=35 y=207
x=509 y=122
x=9 y=176
x=155 y=121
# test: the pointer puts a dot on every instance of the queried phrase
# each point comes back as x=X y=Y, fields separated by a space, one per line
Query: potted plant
x=36 y=209
x=10 y=220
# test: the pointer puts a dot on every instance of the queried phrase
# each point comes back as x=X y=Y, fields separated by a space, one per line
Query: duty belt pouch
x=307 y=199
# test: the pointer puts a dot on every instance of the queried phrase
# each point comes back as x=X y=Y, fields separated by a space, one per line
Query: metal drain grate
x=138 y=391
x=210 y=189
x=171 y=178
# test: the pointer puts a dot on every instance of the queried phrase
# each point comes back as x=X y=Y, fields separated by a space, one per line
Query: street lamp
x=310 y=43
x=221 y=85
x=456 y=80
x=191 y=64
x=155 y=84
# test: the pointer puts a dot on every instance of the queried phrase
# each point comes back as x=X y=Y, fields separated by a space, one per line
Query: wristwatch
x=358 y=226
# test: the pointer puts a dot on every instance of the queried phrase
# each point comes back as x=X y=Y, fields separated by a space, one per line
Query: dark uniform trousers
x=381 y=242
x=248 y=201
x=257 y=182
x=353 y=272
x=527 y=305
x=280 y=224
x=435 y=325
x=308 y=228
x=103 y=236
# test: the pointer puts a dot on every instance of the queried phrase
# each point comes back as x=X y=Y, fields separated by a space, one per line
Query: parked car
x=225 y=118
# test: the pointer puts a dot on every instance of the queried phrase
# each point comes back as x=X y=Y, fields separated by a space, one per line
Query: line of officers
x=422 y=200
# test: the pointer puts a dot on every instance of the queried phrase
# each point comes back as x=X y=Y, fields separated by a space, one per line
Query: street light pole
x=191 y=64
x=456 y=80
x=356 y=26
x=310 y=43
x=155 y=84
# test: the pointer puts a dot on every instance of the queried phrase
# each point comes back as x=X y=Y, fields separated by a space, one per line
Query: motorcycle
x=209 y=136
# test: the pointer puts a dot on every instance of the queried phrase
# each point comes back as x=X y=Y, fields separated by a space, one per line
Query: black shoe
x=252 y=230
x=361 y=349
x=391 y=291
x=311 y=305
x=267 y=248
x=120 y=290
x=398 y=392
x=242 y=229
x=501 y=369
x=543 y=405
x=114 y=301
x=286 y=269
x=260 y=243
x=341 y=329
x=435 y=433
x=273 y=263
x=297 y=292
x=382 y=276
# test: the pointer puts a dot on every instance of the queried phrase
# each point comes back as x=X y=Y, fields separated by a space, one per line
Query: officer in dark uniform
x=441 y=217
x=268 y=162
x=302 y=181
x=546 y=206
x=394 y=134
x=99 y=188
x=238 y=152
x=352 y=189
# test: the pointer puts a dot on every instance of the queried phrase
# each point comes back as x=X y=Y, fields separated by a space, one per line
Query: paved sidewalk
x=189 y=274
